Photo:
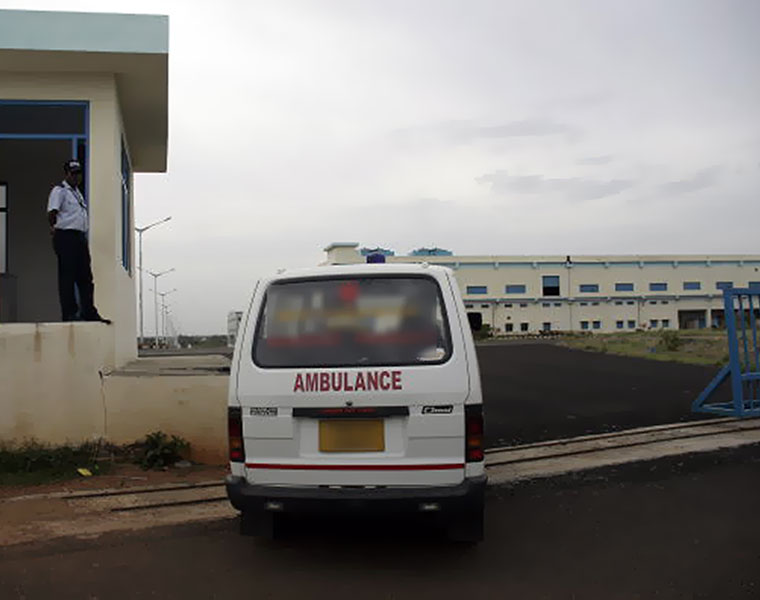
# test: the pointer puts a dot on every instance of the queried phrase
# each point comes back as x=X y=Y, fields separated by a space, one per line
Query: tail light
x=473 y=441
x=235 y=434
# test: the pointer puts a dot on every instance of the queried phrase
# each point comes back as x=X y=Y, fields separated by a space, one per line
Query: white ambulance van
x=356 y=388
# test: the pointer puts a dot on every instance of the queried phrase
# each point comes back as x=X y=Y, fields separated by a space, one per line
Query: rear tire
x=467 y=527
x=264 y=524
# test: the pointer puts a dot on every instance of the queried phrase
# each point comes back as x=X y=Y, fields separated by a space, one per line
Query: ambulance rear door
x=355 y=379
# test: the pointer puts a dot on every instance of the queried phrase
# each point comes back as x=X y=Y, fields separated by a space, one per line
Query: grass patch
x=33 y=463
x=698 y=347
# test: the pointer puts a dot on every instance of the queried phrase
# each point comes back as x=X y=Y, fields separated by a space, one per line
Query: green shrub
x=670 y=340
x=159 y=450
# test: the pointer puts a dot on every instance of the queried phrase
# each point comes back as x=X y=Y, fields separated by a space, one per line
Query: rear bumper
x=465 y=496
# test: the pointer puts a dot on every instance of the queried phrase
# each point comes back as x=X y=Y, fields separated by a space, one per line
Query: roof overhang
x=135 y=48
x=335 y=245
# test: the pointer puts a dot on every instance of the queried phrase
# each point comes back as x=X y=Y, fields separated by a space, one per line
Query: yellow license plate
x=351 y=435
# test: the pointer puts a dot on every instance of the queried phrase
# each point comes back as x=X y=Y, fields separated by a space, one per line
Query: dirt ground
x=121 y=476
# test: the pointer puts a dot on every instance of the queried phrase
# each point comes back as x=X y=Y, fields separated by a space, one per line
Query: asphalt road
x=676 y=528
x=539 y=391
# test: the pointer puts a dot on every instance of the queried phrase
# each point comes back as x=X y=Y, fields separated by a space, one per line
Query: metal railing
x=742 y=315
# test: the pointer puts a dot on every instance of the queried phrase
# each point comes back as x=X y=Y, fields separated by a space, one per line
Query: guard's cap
x=72 y=166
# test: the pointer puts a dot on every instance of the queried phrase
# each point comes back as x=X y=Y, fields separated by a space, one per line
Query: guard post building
x=91 y=87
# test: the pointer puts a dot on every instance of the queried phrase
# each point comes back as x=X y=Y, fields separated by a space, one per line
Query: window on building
x=546 y=304
x=477 y=289
x=557 y=304
x=724 y=285
x=653 y=302
x=623 y=287
x=658 y=287
x=485 y=306
x=666 y=323
x=630 y=302
x=550 y=285
x=3 y=227
x=546 y=326
x=469 y=306
x=126 y=209
x=589 y=288
x=584 y=303
x=44 y=118
x=619 y=324
x=597 y=324
x=664 y=301
x=619 y=303
x=653 y=323
x=523 y=305
x=508 y=327
x=631 y=324
x=584 y=324
x=692 y=285
x=523 y=326
x=594 y=304
x=507 y=305
x=515 y=288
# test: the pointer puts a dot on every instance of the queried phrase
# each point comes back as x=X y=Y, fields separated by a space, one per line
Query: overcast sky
x=496 y=127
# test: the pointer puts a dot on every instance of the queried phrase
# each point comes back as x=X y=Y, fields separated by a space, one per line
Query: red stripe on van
x=291 y=467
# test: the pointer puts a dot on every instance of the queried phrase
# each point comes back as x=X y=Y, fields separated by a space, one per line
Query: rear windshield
x=357 y=322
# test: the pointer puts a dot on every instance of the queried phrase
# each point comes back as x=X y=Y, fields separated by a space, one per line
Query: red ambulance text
x=343 y=381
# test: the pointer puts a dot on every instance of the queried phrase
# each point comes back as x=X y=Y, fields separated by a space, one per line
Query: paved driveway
x=540 y=391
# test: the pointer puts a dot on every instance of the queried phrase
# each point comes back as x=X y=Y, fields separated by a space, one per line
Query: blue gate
x=741 y=306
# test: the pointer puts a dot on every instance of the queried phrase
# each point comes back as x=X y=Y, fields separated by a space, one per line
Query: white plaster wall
x=50 y=381
x=124 y=287
x=56 y=388
x=193 y=407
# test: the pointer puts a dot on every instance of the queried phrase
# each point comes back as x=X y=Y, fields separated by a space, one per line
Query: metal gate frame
x=743 y=366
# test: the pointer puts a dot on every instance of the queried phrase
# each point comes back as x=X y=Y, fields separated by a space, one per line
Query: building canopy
x=135 y=48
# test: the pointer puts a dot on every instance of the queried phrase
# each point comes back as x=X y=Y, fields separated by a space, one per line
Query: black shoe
x=98 y=319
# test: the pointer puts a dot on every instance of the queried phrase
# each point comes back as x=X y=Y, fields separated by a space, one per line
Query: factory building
x=603 y=294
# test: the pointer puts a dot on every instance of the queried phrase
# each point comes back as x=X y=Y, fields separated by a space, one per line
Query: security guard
x=67 y=217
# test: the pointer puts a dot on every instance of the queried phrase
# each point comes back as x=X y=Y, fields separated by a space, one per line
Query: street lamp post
x=155 y=298
x=167 y=325
x=163 y=312
x=140 y=231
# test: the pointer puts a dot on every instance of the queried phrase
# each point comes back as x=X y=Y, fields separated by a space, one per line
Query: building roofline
x=335 y=245
x=134 y=48
x=42 y=30
x=590 y=258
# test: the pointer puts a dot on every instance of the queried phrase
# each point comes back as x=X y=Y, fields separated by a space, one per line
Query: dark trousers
x=74 y=269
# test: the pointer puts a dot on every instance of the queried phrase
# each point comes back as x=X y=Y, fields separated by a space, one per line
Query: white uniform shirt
x=72 y=210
